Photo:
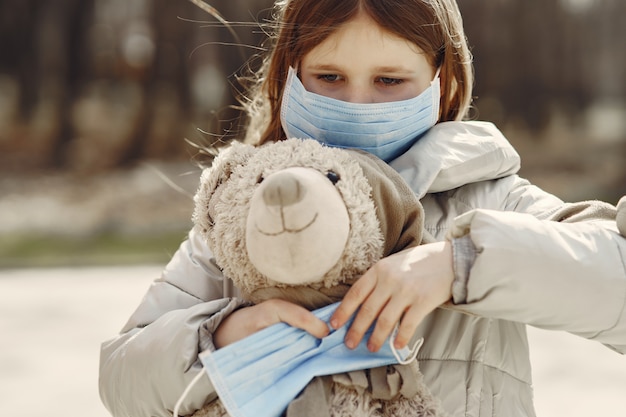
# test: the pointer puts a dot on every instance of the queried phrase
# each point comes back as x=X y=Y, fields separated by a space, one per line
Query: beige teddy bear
x=301 y=221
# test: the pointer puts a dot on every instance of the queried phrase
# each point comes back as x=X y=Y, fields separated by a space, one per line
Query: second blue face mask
x=260 y=375
x=384 y=129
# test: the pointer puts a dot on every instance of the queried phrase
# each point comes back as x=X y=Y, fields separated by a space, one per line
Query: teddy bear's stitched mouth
x=285 y=228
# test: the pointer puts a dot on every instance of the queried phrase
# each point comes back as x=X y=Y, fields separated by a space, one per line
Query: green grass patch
x=101 y=249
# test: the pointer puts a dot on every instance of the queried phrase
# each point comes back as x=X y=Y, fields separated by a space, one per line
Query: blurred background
x=100 y=100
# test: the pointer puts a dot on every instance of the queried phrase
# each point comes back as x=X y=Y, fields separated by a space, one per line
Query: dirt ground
x=52 y=322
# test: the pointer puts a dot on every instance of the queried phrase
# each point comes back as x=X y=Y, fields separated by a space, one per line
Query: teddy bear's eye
x=333 y=177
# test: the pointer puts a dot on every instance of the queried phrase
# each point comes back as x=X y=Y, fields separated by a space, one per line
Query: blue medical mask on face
x=386 y=130
x=262 y=373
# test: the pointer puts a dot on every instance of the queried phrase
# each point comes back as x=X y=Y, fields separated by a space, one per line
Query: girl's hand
x=245 y=321
x=403 y=287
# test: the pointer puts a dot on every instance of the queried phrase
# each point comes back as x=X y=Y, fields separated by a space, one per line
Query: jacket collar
x=452 y=154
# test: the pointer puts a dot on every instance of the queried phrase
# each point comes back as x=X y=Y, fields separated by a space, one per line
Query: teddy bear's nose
x=282 y=189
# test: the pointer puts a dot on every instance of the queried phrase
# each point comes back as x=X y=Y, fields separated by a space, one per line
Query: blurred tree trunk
x=165 y=77
x=21 y=76
x=17 y=48
x=70 y=21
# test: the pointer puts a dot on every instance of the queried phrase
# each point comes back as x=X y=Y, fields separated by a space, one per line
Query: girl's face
x=362 y=63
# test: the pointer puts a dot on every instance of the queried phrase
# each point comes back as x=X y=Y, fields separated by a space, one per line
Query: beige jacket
x=528 y=270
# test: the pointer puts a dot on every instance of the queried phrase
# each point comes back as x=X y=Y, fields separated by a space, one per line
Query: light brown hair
x=435 y=26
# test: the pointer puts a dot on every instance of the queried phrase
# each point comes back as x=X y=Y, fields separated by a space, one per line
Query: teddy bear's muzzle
x=297 y=226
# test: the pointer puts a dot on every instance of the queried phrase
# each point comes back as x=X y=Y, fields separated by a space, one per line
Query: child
x=377 y=75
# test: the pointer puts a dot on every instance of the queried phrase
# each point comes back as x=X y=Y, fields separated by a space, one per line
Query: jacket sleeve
x=145 y=369
x=546 y=263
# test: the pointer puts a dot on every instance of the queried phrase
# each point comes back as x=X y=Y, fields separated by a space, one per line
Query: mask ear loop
x=437 y=73
x=412 y=351
x=193 y=382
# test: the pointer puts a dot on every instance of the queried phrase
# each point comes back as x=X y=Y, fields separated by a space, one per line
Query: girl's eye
x=329 y=78
x=387 y=81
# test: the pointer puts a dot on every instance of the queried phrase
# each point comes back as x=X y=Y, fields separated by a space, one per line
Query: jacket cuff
x=463 y=256
x=208 y=327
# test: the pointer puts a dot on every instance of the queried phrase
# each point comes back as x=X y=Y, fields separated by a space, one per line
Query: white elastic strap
x=193 y=382
x=412 y=352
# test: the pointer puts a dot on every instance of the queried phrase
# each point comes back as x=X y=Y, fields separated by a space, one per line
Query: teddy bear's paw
x=213 y=409
x=421 y=405
x=348 y=402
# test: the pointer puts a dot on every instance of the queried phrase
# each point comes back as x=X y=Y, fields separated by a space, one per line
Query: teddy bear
x=301 y=221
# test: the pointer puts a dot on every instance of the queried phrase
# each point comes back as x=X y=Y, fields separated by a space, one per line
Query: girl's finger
x=368 y=313
x=408 y=325
x=297 y=316
x=353 y=299
x=385 y=323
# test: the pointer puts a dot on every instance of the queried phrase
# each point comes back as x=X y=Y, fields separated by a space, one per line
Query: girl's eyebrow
x=323 y=67
x=393 y=69
x=387 y=69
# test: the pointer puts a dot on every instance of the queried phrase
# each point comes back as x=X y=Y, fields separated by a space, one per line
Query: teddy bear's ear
x=224 y=164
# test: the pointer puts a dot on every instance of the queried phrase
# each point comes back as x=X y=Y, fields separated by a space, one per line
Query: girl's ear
x=212 y=178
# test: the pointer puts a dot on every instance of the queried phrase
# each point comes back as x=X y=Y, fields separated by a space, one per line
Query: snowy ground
x=52 y=322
